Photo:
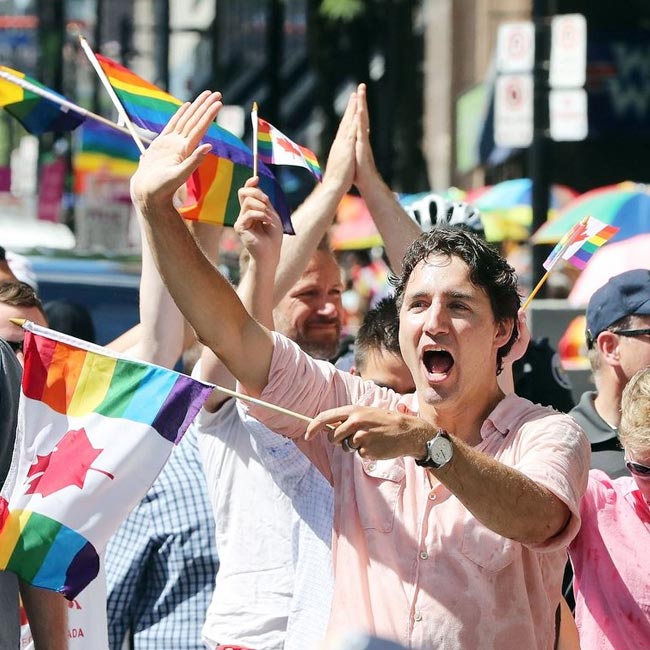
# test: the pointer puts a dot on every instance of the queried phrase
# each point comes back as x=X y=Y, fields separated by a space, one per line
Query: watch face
x=440 y=450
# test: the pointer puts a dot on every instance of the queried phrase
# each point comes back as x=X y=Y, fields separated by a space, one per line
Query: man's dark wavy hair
x=487 y=270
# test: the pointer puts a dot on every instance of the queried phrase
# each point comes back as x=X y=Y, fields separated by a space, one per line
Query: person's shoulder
x=206 y=421
x=600 y=489
x=522 y=411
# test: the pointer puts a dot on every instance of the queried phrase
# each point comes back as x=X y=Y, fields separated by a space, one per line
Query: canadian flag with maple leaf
x=580 y=243
x=275 y=148
x=94 y=431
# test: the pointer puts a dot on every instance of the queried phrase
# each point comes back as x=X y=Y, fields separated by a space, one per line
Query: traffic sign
x=513 y=110
x=568 y=51
x=515 y=47
x=568 y=115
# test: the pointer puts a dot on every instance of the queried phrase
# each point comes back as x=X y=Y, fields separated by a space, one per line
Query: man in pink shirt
x=609 y=555
x=453 y=516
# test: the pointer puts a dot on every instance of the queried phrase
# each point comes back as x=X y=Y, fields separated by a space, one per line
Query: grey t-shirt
x=10 y=373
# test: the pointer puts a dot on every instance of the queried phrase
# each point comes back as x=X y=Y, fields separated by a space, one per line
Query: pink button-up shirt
x=610 y=561
x=411 y=563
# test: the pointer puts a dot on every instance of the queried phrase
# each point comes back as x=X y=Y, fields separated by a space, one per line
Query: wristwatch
x=439 y=451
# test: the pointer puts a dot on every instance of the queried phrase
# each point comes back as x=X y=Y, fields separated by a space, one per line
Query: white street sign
x=515 y=47
x=568 y=115
x=513 y=110
x=568 y=51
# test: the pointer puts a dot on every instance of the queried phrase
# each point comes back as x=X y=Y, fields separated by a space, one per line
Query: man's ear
x=503 y=332
x=607 y=343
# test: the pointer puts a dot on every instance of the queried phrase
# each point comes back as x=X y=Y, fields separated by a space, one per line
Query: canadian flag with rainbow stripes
x=275 y=148
x=94 y=431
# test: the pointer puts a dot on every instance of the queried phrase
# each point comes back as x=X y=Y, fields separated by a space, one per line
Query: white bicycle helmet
x=429 y=210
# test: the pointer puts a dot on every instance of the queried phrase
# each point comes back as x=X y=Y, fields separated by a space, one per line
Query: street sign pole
x=538 y=152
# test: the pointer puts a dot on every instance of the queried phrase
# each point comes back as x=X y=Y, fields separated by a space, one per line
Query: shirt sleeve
x=308 y=386
x=556 y=454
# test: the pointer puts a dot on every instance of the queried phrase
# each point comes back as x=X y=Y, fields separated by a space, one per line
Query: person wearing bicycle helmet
x=429 y=210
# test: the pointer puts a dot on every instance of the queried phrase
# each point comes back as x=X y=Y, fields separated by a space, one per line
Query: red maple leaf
x=67 y=464
x=580 y=232
x=289 y=146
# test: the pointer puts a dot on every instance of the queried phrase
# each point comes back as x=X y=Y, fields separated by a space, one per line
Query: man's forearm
x=206 y=298
x=501 y=497
x=397 y=229
x=311 y=222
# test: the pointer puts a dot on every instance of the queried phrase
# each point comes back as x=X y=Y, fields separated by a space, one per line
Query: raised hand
x=175 y=153
x=340 y=168
x=365 y=170
x=258 y=226
x=374 y=433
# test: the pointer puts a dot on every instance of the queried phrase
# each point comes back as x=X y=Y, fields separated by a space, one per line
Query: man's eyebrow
x=454 y=293
x=461 y=295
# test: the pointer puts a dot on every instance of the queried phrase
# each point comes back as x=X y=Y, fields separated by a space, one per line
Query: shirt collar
x=504 y=414
x=500 y=419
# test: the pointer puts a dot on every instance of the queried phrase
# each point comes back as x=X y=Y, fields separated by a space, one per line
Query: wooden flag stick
x=255 y=126
x=62 y=102
x=22 y=322
x=111 y=93
x=533 y=293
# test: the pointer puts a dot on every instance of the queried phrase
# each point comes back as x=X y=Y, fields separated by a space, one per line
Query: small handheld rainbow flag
x=94 y=430
x=276 y=149
x=35 y=112
x=580 y=243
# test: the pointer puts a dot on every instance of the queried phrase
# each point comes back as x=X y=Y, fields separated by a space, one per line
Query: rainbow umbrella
x=506 y=207
x=625 y=205
x=354 y=228
x=572 y=346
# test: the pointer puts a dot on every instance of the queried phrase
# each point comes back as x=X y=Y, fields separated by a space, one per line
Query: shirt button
x=424 y=555
x=372 y=467
x=417 y=617
x=432 y=496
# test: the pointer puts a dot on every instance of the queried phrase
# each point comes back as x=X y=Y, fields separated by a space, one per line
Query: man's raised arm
x=202 y=294
x=397 y=229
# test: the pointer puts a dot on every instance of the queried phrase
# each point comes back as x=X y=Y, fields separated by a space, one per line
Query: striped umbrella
x=625 y=205
x=354 y=228
x=506 y=207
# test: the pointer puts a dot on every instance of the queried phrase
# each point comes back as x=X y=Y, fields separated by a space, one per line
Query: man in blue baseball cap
x=618 y=338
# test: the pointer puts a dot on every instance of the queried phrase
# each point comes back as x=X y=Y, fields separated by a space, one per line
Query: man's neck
x=608 y=405
x=461 y=420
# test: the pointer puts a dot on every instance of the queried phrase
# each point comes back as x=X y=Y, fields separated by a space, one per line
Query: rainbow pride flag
x=580 y=243
x=101 y=149
x=275 y=148
x=36 y=113
x=94 y=431
x=213 y=188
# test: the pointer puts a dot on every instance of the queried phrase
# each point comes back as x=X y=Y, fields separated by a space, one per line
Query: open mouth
x=437 y=362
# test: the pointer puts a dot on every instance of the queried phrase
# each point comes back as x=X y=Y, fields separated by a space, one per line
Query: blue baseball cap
x=623 y=295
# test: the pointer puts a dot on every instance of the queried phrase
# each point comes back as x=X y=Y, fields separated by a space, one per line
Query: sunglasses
x=632 y=333
x=637 y=469
x=16 y=346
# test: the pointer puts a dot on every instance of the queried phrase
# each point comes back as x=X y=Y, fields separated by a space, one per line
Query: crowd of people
x=435 y=495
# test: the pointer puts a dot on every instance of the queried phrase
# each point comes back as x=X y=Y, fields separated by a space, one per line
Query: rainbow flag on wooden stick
x=275 y=148
x=94 y=431
x=39 y=112
x=580 y=243
x=212 y=190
